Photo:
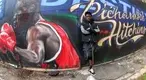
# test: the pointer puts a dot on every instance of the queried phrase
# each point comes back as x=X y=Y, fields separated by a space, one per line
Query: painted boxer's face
x=26 y=11
x=29 y=6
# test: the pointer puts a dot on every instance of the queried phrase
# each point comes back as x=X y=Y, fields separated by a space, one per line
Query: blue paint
x=125 y=6
x=1 y=8
x=50 y=3
x=63 y=6
x=107 y=2
x=75 y=2
x=48 y=6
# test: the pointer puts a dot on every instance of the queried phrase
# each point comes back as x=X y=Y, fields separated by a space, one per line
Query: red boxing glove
x=8 y=37
x=9 y=30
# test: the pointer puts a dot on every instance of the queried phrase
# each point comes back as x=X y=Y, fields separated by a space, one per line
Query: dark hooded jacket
x=89 y=31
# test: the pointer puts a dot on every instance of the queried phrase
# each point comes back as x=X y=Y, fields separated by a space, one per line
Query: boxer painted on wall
x=46 y=42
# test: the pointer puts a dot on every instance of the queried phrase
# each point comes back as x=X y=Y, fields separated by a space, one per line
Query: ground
x=129 y=67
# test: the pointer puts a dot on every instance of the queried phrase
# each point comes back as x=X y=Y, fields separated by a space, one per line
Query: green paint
x=61 y=16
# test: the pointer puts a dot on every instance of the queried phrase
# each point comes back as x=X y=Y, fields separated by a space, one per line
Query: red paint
x=68 y=57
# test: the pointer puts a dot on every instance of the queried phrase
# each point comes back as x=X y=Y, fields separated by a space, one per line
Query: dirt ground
x=9 y=73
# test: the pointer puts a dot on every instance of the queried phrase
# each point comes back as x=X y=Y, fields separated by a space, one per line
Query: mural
x=121 y=21
x=46 y=33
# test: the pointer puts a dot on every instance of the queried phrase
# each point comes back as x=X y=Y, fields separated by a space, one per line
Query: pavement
x=129 y=67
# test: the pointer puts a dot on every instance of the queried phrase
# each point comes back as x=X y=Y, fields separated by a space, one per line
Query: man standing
x=89 y=33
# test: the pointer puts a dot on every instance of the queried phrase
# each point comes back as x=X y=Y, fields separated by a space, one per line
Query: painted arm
x=34 y=53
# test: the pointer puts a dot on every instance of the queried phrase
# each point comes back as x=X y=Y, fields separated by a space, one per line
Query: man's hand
x=97 y=29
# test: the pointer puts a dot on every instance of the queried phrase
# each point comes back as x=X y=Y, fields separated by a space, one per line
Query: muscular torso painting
x=41 y=39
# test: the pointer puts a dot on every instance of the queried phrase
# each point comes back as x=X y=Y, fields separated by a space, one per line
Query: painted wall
x=122 y=25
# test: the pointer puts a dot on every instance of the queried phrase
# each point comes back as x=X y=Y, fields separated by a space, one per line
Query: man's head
x=88 y=16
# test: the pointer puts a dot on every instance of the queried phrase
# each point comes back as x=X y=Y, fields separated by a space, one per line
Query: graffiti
x=113 y=13
x=76 y=6
x=123 y=32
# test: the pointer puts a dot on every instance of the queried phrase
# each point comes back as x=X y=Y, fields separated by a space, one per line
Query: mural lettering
x=122 y=31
